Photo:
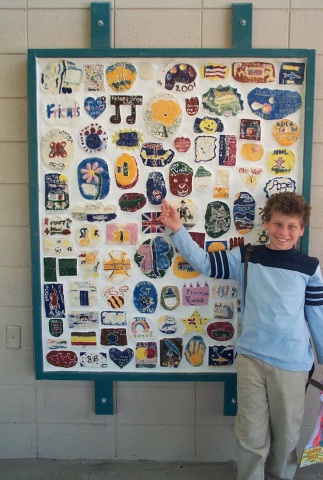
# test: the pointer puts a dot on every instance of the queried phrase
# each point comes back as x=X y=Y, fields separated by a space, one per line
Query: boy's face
x=283 y=231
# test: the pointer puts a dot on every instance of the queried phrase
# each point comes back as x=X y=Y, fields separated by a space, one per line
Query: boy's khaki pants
x=270 y=414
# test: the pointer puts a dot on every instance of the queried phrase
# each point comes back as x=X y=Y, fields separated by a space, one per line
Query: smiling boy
x=284 y=301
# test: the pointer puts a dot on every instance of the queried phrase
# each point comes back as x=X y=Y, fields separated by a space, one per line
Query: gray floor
x=32 y=469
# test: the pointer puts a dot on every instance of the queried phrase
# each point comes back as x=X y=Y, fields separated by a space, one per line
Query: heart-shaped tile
x=95 y=106
x=121 y=357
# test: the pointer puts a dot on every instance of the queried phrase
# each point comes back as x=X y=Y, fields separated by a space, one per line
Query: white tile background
x=154 y=421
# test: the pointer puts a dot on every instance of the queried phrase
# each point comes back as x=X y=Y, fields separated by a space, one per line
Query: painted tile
x=150 y=223
x=94 y=212
x=188 y=212
x=57 y=225
x=279 y=184
x=126 y=171
x=55 y=326
x=59 y=247
x=205 y=148
x=93 y=178
x=56 y=192
x=116 y=296
x=273 y=104
x=208 y=125
x=54 y=300
x=221 y=192
x=217 y=219
x=171 y=352
x=280 y=162
x=195 y=350
x=250 y=129
x=182 y=269
x=83 y=319
x=93 y=360
x=167 y=324
x=62 y=111
x=220 y=356
x=55 y=344
x=131 y=202
x=223 y=310
x=127 y=139
x=197 y=295
x=62 y=358
x=225 y=290
x=93 y=78
x=146 y=354
x=180 y=179
x=194 y=323
x=252 y=151
x=162 y=115
x=214 y=71
x=114 y=337
x=89 y=263
x=145 y=297
x=169 y=297
x=121 y=234
x=50 y=273
x=57 y=149
x=291 y=73
x=261 y=236
x=121 y=76
x=223 y=101
x=121 y=357
x=220 y=331
x=286 y=132
x=117 y=266
x=154 y=257
x=87 y=235
x=156 y=188
x=113 y=318
x=154 y=155
x=216 y=246
x=147 y=71
x=202 y=179
x=253 y=72
x=67 y=267
x=227 y=150
x=61 y=76
x=198 y=237
x=192 y=106
x=125 y=100
x=140 y=327
x=83 y=339
x=182 y=144
x=179 y=77
x=83 y=293
x=244 y=207
x=250 y=176
x=95 y=106
x=93 y=139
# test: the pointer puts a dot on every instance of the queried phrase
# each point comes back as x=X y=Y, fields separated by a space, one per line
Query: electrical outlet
x=13 y=336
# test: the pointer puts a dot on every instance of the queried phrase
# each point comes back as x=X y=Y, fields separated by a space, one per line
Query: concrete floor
x=33 y=469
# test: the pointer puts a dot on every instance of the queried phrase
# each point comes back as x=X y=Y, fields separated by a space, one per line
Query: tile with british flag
x=151 y=224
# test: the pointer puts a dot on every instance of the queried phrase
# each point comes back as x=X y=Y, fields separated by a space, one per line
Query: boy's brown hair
x=288 y=203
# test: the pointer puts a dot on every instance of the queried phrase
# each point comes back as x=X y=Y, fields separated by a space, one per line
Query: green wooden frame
x=104 y=381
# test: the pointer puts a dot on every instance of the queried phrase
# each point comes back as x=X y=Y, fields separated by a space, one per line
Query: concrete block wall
x=154 y=421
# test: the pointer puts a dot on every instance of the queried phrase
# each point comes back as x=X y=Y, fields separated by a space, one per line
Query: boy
x=274 y=355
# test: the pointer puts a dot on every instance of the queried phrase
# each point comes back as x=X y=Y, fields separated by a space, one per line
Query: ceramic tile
x=160 y=4
x=216 y=28
x=317 y=170
x=256 y=4
x=17 y=366
x=316 y=244
x=318 y=120
x=13 y=4
x=129 y=22
x=275 y=36
x=316 y=202
x=13 y=120
x=13 y=76
x=13 y=26
x=74 y=28
x=319 y=76
x=144 y=405
x=209 y=404
x=309 y=4
x=17 y=404
x=15 y=286
x=18 y=440
x=156 y=442
x=76 y=441
x=14 y=162
x=78 y=405
x=215 y=444
x=71 y=4
x=14 y=202
x=309 y=21
x=15 y=246
x=20 y=316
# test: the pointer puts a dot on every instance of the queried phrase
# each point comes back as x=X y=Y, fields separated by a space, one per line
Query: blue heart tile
x=95 y=106
x=121 y=357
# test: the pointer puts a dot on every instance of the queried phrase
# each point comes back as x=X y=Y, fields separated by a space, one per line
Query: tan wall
x=155 y=421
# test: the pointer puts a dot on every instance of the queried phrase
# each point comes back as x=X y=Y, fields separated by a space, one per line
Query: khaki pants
x=270 y=414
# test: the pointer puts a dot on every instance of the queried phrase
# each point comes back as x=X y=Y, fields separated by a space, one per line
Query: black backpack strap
x=249 y=250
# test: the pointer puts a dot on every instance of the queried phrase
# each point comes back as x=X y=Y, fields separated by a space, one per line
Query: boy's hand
x=170 y=217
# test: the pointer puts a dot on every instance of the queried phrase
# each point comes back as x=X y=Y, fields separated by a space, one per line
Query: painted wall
x=154 y=421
